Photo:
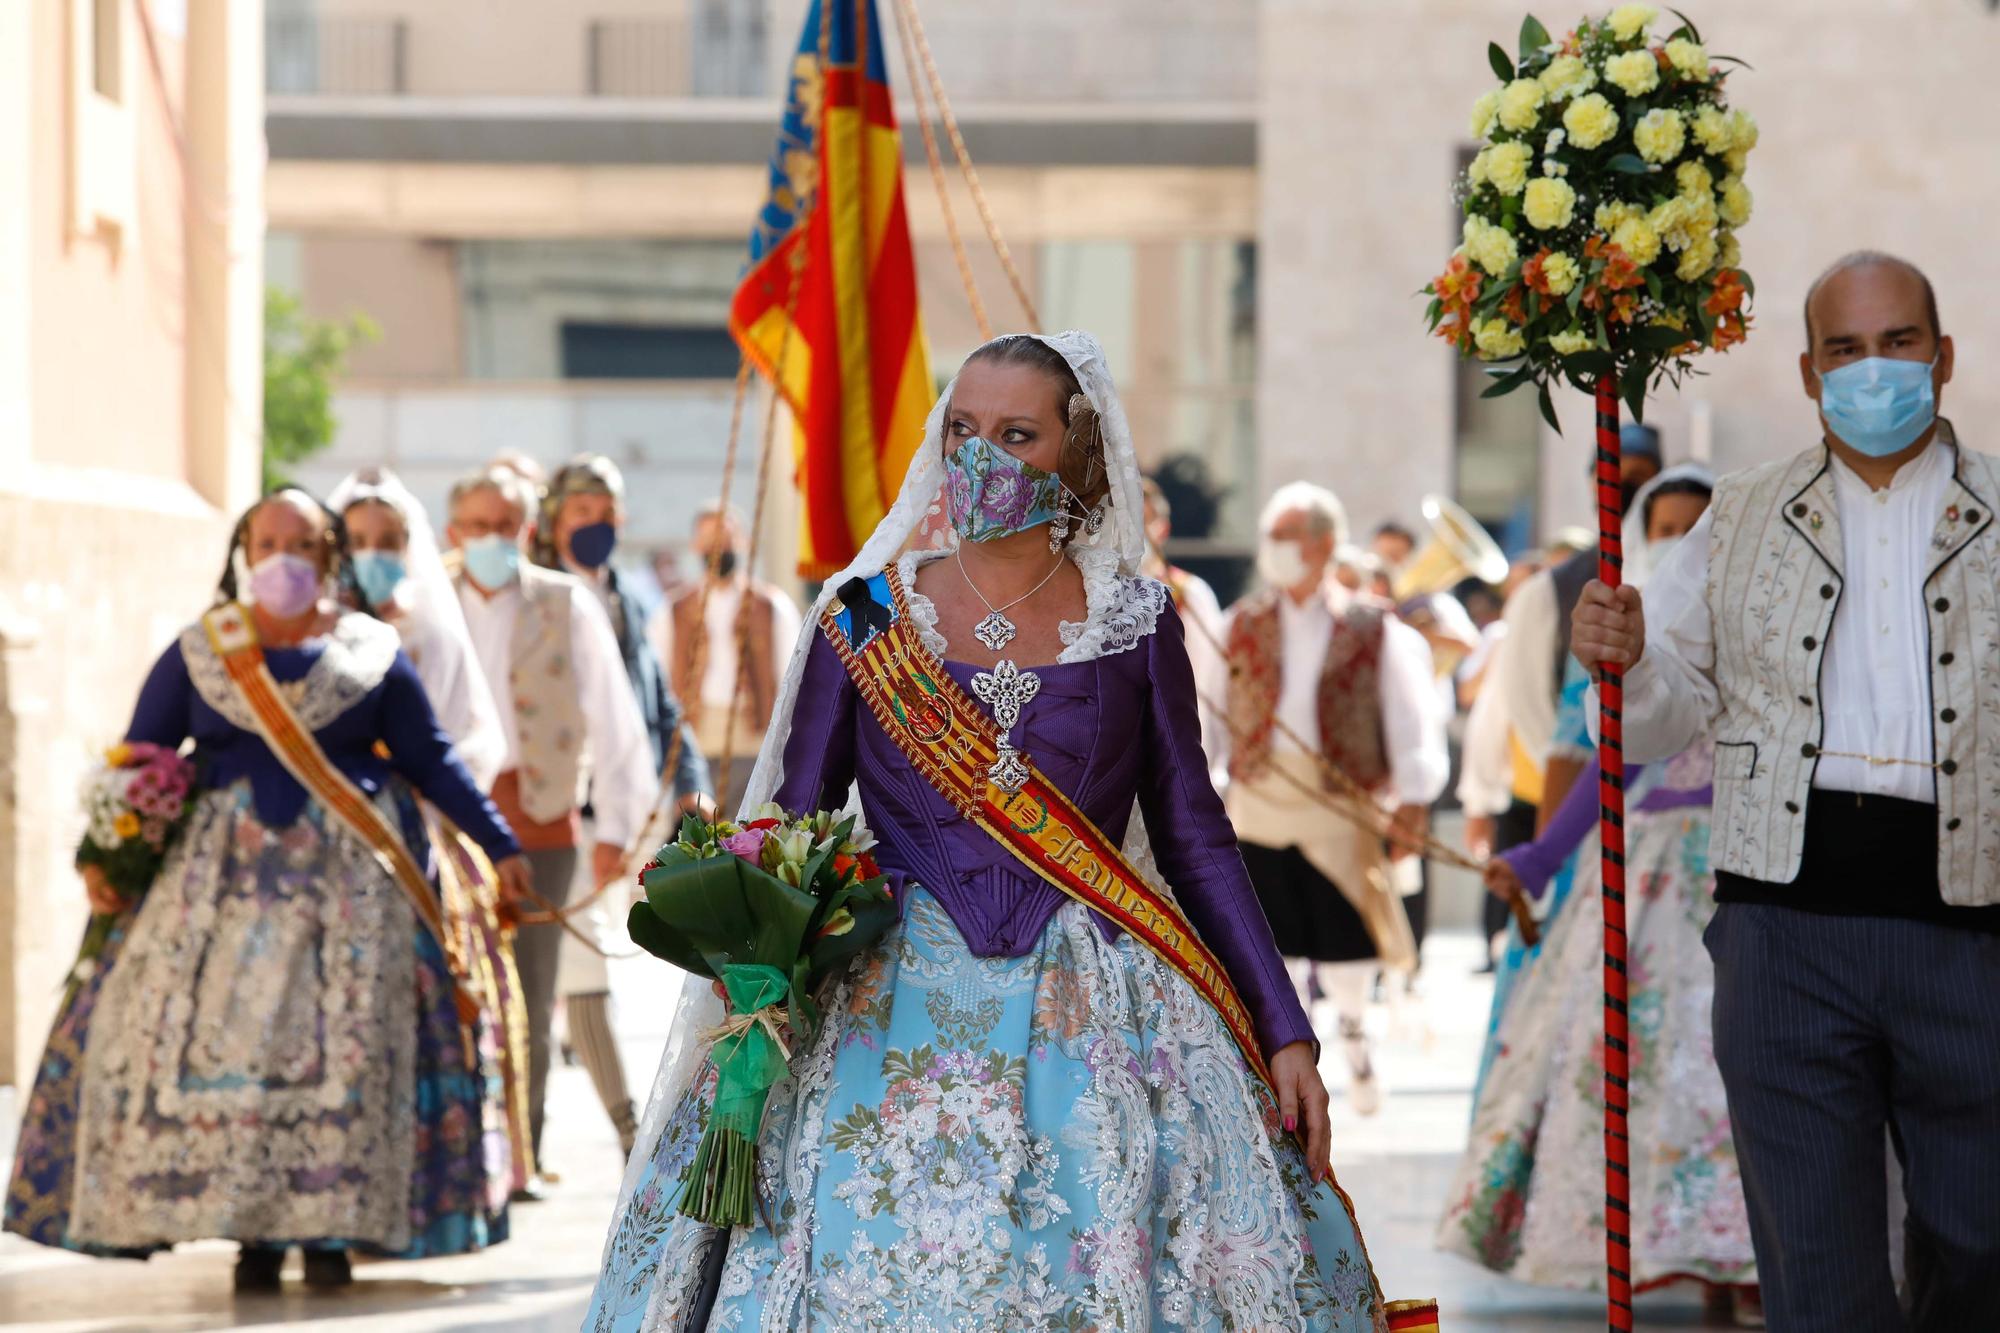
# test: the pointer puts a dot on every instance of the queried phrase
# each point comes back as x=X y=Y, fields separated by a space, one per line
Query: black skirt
x=1310 y=917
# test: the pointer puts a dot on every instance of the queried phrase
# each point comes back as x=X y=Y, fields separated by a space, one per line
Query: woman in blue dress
x=271 y=1052
x=1015 y=1116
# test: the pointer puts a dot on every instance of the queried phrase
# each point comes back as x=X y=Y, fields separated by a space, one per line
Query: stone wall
x=92 y=594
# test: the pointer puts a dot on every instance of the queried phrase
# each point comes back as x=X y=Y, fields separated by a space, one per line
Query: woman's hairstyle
x=1678 y=486
x=586 y=474
x=1081 y=463
x=334 y=552
x=369 y=486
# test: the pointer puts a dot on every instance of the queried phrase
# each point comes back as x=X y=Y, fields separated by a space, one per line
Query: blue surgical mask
x=991 y=494
x=1879 y=405
x=493 y=561
x=591 y=545
x=379 y=573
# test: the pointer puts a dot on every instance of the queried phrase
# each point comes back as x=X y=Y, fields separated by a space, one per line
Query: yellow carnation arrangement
x=1550 y=203
x=1660 y=135
x=1591 y=121
x=1521 y=104
x=1507 y=166
x=1607 y=247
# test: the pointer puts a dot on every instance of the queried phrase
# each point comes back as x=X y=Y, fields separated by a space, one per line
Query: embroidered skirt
x=1062 y=1140
x=1528 y=1200
x=275 y=1057
x=44 y=1178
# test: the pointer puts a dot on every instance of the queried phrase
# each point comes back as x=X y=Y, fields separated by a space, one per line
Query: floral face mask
x=989 y=493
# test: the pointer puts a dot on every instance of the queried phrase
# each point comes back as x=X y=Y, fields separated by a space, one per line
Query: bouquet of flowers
x=770 y=908
x=1601 y=211
x=136 y=802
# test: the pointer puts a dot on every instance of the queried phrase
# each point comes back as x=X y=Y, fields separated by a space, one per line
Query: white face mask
x=1281 y=562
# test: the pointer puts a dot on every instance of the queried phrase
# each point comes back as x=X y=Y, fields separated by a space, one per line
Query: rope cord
x=958 y=253
x=907 y=10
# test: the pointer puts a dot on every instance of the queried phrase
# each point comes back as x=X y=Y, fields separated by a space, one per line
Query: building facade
x=545 y=209
x=130 y=394
x=548 y=220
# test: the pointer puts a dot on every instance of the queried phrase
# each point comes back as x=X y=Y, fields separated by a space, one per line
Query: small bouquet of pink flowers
x=770 y=908
x=136 y=802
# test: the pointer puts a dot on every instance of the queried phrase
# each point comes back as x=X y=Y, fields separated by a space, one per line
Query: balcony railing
x=717 y=49
x=353 y=56
x=640 y=58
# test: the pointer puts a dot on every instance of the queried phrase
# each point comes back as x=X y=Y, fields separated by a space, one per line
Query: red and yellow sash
x=951 y=741
x=234 y=639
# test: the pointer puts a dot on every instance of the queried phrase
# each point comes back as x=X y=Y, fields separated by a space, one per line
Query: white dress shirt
x=1413 y=722
x=458 y=692
x=1517 y=699
x=618 y=753
x=1875 y=677
x=718 y=674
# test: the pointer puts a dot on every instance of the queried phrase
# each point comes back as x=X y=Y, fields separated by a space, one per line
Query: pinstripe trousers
x=1829 y=1029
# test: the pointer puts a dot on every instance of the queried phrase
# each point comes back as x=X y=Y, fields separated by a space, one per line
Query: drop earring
x=1059 y=528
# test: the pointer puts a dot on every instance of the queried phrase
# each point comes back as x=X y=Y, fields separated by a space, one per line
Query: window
x=594 y=351
x=107 y=73
x=102 y=168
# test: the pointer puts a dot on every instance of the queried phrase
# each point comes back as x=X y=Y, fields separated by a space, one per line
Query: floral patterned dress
x=269 y=1050
x=1528 y=1199
x=1059 y=1135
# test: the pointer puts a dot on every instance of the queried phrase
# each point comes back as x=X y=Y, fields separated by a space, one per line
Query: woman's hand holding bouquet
x=136 y=802
x=769 y=908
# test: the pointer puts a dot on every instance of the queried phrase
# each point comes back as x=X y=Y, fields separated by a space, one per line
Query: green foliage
x=302 y=358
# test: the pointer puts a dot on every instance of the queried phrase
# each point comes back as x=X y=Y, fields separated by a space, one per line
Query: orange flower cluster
x=1732 y=325
x=1457 y=288
x=1610 y=291
x=1535 y=274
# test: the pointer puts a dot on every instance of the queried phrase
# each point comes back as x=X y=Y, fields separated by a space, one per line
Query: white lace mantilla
x=1122 y=608
x=358 y=654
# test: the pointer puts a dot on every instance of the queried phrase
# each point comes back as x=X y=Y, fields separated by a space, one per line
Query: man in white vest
x=1834 y=623
x=569 y=716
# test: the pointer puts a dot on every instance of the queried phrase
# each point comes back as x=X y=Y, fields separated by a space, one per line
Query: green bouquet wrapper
x=770 y=909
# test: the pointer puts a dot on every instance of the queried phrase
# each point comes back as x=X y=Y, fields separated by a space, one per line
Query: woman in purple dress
x=1014 y=1116
x=270 y=1051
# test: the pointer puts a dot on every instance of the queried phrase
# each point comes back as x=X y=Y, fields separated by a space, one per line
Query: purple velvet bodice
x=1106 y=732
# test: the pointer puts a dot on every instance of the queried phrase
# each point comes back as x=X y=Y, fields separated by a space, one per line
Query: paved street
x=1396 y=1165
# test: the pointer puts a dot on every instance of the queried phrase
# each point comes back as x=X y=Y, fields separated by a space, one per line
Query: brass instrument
x=1458 y=549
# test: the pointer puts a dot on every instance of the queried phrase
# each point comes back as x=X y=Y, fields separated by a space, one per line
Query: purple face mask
x=285 y=585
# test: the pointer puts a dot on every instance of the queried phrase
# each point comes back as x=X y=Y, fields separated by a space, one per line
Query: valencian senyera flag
x=855 y=372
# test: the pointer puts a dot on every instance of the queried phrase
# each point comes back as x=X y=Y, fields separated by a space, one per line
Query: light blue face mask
x=379 y=573
x=493 y=561
x=1879 y=405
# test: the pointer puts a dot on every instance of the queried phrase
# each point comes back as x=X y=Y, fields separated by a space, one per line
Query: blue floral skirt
x=281 y=1042
x=1064 y=1140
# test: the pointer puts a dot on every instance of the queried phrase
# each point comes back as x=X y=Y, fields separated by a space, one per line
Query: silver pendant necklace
x=995 y=630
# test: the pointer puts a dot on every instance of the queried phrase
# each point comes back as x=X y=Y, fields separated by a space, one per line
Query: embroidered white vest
x=1774 y=579
x=548 y=715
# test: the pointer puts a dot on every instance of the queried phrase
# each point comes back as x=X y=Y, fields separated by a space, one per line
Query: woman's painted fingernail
x=1290 y=1124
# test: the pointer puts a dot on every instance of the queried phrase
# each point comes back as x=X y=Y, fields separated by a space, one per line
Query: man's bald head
x=1872 y=262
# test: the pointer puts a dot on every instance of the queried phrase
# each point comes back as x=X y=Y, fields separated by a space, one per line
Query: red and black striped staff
x=1611 y=834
